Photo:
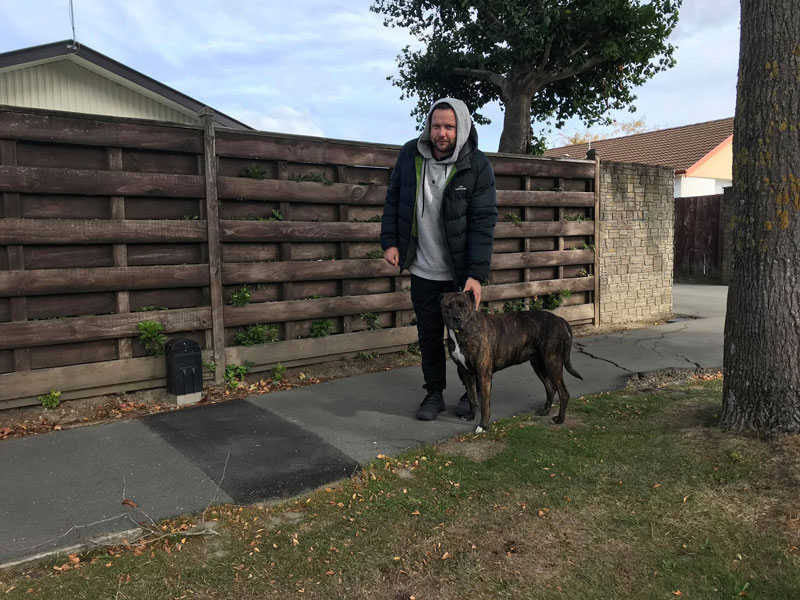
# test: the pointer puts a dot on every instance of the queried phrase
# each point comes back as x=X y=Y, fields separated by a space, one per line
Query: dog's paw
x=479 y=429
x=543 y=412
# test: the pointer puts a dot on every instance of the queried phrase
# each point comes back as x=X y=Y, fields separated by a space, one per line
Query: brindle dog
x=481 y=344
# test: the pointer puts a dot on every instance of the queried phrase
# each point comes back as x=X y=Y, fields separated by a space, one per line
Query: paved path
x=65 y=488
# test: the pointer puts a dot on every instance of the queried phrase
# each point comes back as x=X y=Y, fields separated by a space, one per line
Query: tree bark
x=516 y=135
x=762 y=327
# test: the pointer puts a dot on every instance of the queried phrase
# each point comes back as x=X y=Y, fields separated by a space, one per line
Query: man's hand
x=475 y=286
x=392 y=256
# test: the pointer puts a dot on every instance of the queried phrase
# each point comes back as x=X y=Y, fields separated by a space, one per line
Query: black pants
x=430 y=328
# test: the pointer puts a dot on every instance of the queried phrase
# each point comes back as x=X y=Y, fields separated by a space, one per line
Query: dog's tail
x=567 y=364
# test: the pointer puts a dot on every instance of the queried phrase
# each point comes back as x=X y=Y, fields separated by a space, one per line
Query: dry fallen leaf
x=445 y=556
x=129 y=502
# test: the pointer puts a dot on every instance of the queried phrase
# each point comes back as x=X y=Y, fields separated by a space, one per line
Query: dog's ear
x=441 y=297
x=471 y=295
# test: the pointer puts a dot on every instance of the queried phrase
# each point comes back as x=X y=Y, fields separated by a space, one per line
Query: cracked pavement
x=68 y=485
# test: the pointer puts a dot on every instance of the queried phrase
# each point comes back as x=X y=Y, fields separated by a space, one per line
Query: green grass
x=638 y=495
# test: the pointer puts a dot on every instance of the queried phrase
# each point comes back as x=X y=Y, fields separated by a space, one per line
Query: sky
x=320 y=68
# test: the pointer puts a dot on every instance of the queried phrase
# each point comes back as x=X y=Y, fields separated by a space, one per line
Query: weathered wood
x=102 y=327
x=596 y=241
x=61 y=355
x=544 y=198
x=536 y=288
x=296 y=310
x=258 y=231
x=80 y=377
x=301 y=191
x=44 y=180
x=142 y=255
x=28 y=124
x=73 y=305
x=78 y=231
x=521 y=260
x=305 y=270
x=214 y=243
x=70 y=281
x=267 y=354
x=120 y=252
x=302 y=149
x=544 y=229
x=65 y=156
x=148 y=161
x=164 y=298
x=64 y=206
x=504 y=164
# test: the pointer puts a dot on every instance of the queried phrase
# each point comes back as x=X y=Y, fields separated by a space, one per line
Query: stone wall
x=635 y=242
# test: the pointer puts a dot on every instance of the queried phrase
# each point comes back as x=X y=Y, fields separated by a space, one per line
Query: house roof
x=104 y=65
x=676 y=147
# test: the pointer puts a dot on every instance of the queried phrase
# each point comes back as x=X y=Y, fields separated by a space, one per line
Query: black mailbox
x=184 y=367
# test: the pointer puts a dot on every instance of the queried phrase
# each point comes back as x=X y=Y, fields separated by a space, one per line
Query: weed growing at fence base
x=241 y=297
x=321 y=328
x=234 y=374
x=152 y=337
x=256 y=334
x=636 y=496
x=50 y=400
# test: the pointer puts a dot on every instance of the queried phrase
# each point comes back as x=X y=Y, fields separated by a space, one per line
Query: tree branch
x=483 y=75
x=585 y=66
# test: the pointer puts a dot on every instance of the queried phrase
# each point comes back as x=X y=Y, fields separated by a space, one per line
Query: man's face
x=443 y=132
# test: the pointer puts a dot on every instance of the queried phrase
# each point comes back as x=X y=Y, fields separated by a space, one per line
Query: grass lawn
x=638 y=495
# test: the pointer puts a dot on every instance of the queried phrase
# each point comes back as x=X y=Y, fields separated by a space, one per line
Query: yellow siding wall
x=64 y=85
x=719 y=166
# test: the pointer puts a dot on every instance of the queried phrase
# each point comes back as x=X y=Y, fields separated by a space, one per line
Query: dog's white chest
x=457 y=355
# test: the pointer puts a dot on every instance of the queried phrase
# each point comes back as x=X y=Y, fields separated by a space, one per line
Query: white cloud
x=279 y=119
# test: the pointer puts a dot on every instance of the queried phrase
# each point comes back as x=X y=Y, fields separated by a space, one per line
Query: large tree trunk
x=762 y=327
x=516 y=135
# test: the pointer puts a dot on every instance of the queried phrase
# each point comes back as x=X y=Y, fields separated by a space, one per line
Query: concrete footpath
x=64 y=489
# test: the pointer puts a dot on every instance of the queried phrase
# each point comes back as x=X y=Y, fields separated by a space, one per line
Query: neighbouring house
x=72 y=77
x=701 y=154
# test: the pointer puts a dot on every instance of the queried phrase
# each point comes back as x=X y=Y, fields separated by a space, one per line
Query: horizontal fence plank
x=576 y=312
x=265 y=146
x=300 y=191
x=282 y=352
x=296 y=310
x=518 y=260
x=504 y=164
x=80 y=377
x=529 y=289
x=24 y=125
x=543 y=229
x=276 y=190
x=545 y=198
x=99 y=231
x=296 y=231
x=44 y=180
x=24 y=334
x=305 y=270
x=70 y=281
x=238 y=273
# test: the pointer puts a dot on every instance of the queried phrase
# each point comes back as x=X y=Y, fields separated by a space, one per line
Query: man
x=438 y=222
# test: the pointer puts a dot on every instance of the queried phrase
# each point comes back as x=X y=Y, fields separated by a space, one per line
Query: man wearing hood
x=438 y=223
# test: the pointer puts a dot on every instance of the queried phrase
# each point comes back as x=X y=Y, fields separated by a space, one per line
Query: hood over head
x=463 y=129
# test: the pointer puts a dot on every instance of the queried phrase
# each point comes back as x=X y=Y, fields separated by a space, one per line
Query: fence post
x=597 y=245
x=214 y=245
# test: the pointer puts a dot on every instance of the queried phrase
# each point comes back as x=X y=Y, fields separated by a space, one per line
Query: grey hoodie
x=431 y=257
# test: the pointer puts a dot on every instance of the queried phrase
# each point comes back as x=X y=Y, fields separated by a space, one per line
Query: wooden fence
x=108 y=222
x=698 y=239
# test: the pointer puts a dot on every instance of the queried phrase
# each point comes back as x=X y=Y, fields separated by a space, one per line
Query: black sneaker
x=463 y=408
x=431 y=406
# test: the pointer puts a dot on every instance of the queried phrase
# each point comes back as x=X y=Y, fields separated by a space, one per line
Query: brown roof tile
x=677 y=147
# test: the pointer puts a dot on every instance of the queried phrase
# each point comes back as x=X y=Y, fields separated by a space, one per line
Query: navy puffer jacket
x=468 y=215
